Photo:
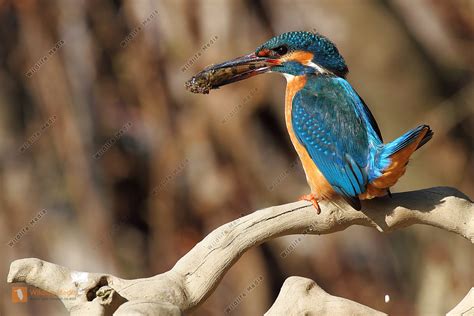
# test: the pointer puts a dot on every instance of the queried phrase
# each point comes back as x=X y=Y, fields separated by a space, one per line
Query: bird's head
x=299 y=53
x=292 y=53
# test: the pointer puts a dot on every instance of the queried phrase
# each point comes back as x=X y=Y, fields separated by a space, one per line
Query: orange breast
x=316 y=180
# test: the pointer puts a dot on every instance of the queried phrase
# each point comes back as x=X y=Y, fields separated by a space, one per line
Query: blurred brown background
x=131 y=170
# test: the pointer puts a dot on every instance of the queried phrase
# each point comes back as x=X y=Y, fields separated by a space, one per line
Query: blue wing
x=332 y=122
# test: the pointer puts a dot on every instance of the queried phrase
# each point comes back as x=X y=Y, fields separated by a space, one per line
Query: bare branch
x=196 y=275
x=465 y=307
x=302 y=296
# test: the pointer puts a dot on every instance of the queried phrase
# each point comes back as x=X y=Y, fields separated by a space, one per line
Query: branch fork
x=195 y=276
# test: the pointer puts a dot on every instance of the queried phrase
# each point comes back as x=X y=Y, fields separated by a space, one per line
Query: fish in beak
x=241 y=68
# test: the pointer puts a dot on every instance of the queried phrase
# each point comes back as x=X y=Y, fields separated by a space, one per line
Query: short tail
x=408 y=142
x=390 y=163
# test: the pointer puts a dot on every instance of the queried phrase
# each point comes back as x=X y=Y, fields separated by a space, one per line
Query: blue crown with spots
x=325 y=52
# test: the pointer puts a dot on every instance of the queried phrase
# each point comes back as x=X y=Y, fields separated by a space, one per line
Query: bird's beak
x=230 y=71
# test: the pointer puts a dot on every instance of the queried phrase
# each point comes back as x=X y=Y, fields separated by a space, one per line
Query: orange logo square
x=19 y=294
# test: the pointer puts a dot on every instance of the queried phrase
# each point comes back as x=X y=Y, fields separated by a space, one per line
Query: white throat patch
x=288 y=77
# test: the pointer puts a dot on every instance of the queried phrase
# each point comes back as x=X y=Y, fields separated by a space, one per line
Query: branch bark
x=465 y=307
x=298 y=296
x=197 y=274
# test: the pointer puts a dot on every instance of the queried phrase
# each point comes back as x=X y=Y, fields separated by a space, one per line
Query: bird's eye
x=281 y=50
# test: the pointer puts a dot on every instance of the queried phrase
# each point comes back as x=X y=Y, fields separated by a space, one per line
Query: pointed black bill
x=227 y=72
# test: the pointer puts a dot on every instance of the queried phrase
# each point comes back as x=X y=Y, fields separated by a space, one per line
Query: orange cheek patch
x=299 y=56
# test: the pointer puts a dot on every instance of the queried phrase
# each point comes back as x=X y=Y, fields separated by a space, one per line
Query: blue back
x=338 y=131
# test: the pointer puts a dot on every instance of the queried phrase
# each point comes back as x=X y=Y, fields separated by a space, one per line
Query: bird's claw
x=312 y=198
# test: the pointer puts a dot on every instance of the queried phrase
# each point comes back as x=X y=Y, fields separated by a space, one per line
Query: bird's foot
x=313 y=199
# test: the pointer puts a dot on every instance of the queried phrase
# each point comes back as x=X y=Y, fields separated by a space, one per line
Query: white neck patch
x=318 y=68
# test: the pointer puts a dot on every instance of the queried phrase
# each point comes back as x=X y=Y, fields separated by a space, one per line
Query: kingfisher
x=331 y=128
